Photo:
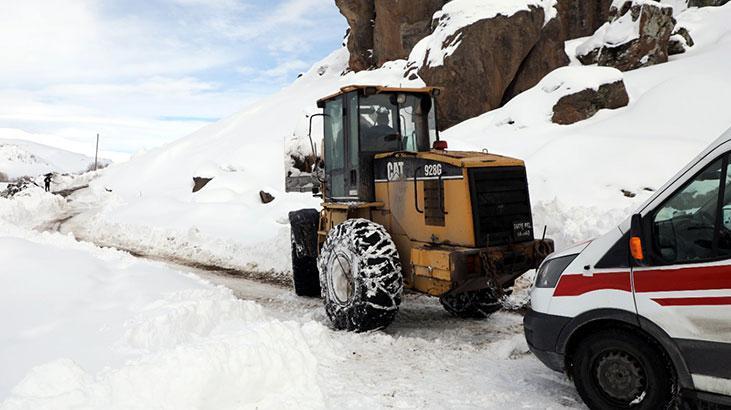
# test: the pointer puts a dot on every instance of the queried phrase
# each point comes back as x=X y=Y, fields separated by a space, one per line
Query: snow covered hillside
x=20 y=155
x=584 y=177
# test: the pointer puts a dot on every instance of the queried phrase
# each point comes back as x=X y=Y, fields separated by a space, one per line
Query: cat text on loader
x=400 y=211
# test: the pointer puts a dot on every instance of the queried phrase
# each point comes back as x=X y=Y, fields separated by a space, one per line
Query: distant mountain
x=21 y=157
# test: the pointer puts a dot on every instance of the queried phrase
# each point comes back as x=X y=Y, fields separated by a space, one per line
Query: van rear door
x=686 y=286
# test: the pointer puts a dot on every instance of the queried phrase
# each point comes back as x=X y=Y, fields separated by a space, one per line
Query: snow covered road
x=110 y=330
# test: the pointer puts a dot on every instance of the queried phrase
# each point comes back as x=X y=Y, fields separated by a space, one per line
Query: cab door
x=686 y=286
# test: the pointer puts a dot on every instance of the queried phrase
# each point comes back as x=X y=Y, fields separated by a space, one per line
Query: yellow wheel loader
x=401 y=211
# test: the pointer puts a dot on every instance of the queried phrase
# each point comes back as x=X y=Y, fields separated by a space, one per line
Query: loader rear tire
x=471 y=305
x=360 y=276
x=305 y=278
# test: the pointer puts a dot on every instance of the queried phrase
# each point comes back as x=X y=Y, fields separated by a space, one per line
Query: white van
x=642 y=315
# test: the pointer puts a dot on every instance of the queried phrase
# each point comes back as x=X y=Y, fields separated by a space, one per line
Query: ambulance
x=641 y=317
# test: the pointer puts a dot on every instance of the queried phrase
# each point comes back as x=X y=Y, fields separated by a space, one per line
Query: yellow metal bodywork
x=425 y=250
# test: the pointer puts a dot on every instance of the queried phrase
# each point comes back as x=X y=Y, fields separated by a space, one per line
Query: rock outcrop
x=581 y=18
x=399 y=25
x=637 y=35
x=584 y=104
x=360 y=15
x=545 y=56
x=706 y=3
x=485 y=63
x=200 y=182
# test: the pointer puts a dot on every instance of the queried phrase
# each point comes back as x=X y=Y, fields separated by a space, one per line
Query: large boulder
x=581 y=18
x=584 y=104
x=545 y=56
x=399 y=25
x=637 y=35
x=478 y=56
x=360 y=15
x=706 y=3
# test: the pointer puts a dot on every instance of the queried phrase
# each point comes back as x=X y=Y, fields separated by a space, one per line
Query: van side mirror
x=635 y=240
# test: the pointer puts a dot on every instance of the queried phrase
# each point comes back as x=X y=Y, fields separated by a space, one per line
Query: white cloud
x=144 y=72
x=286 y=68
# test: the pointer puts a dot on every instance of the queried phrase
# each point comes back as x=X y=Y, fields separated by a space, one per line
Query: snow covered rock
x=680 y=41
x=479 y=48
x=584 y=104
x=637 y=35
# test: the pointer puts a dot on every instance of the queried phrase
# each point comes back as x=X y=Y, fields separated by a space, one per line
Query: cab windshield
x=396 y=122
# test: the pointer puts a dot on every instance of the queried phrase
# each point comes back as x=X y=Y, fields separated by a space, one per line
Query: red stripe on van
x=700 y=301
x=696 y=278
x=575 y=285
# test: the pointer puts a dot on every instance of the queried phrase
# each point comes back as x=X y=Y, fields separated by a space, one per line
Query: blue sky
x=144 y=72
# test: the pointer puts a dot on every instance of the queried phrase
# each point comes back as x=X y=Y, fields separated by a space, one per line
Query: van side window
x=686 y=228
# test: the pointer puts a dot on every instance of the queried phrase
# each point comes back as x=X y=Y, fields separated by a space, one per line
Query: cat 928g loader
x=401 y=211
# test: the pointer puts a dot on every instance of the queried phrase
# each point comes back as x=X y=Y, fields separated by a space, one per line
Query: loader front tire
x=305 y=278
x=360 y=276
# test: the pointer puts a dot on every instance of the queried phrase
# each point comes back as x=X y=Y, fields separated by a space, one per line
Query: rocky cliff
x=494 y=58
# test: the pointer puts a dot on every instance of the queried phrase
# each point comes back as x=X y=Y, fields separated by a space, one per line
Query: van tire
x=360 y=276
x=617 y=368
x=305 y=278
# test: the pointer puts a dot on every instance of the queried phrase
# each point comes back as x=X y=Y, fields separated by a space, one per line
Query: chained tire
x=305 y=277
x=360 y=276
x=471 y=305
x=619 y=369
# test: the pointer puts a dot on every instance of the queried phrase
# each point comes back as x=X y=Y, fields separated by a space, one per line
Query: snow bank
x=32 y=208
x=535 y=107
x=95 y=328
x=457 y=14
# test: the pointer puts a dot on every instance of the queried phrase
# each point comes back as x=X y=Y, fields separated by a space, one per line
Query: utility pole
x=96 y=153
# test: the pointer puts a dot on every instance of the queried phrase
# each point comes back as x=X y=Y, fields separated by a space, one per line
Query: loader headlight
x=551 y=270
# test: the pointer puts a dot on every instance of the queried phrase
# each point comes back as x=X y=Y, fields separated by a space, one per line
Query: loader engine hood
x=492 y=188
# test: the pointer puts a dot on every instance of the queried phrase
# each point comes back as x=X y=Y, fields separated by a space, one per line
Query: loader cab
x=362 y=121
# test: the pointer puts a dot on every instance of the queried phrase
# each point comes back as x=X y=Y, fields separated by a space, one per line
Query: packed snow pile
x=20 y=157
x=108 y=331
x=32 y=208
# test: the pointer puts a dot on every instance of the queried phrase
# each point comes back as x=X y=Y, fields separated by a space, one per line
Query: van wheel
x=304 y=224
x=615 y=368
x=360 y=276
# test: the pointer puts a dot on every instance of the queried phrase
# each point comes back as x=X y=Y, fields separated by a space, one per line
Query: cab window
x=335 y=148
x=397 y=122
x=689 y=227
